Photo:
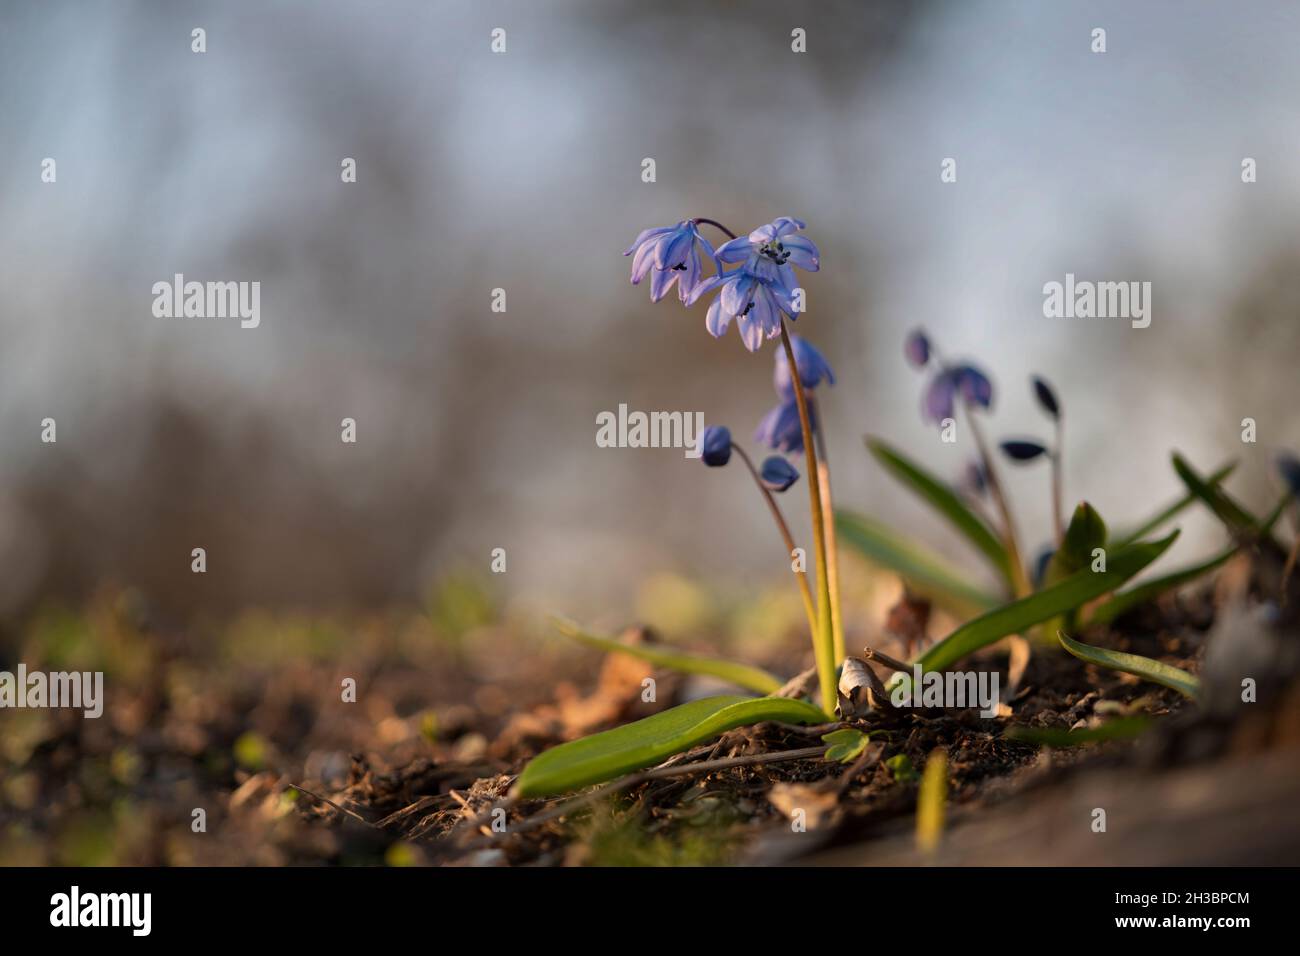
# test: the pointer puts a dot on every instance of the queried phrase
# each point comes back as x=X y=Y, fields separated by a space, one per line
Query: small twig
x=871 y=654
x=341 y=809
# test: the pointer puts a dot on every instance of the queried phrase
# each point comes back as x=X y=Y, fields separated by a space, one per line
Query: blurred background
x=476 y=430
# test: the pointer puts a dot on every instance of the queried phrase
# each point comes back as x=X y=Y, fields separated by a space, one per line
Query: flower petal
x=647 y=234
x=803 y=252
x=734 y=250
x=716 y=321
x=751 y=332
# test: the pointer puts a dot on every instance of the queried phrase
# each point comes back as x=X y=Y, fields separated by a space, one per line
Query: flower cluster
x=949 y=383
x=756 y=294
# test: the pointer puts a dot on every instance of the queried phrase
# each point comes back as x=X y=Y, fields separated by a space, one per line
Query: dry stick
x=832 y=552
x=704 y=766
x=824 y=644
x=344 y=810
x=871 y=654
x=800 y=576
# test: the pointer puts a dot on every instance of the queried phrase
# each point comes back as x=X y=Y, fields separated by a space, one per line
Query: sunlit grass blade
x=924 y=571
x=1119 y=728
x=1143 y=667
x=635 y=746
x=1227 y=510
x=1125 y=601
x=947 y=502
x=931 y=799
x=1171 y=512
x=742 y=675
x=1016 y=616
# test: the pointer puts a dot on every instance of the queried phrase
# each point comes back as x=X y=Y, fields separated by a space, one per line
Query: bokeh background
x=522 y=171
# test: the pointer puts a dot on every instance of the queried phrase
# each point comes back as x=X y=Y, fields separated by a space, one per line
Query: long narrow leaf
x=1219 y=501
x=1171 y=512
x=1125 y=601
x=1017 y=616
x=924 y=571
x=944 y=500
x=1118 y=728
x=634 y=746
x=742 y=675
x=1143 y=667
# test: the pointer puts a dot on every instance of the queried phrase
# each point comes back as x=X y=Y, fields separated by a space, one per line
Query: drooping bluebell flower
x=763 y=288
x=769 y=251
x=780 y=429
x=917 y=349
x=670 y=254
x=715 y=446
x=755 y=304
x=812 y=365
x=777 y=473
x=957 y=381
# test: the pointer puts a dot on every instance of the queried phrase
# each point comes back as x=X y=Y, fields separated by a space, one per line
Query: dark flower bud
x=777 y=473
x=715 y=446
x=1040 y=565
x=1046 y=397
x=1022 y=450
x=917 y=349
x=1288 y=466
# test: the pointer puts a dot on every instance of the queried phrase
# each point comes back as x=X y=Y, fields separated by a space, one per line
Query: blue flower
x=757 y=293
x=966 y=381
x=769 y=251
x=670 y=254
x=777 y=473
x=755 y=304
x=813 y=368
x=780 y=429
x=716 y=446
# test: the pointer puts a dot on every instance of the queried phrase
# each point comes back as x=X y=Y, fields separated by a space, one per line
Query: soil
x=284 y=773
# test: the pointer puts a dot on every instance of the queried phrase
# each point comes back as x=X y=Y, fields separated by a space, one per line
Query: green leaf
x=900 y=765
x=947 y=502
x=1120 y=728
x=1237 y=518
x=1170 y=512
x=1125 y=601
x=924 y=571
x=1143 y=667
x=643 y=743
x=845 y=745
x=742 y=675
x=1085 y=533
x=1017 y=616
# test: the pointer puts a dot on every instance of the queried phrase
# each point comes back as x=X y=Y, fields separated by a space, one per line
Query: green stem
x=800 y=576
x=1057 y=518
x=832 y=549
x=824 y=640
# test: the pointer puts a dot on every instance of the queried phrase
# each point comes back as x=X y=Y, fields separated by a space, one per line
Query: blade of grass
x=1143 y=667
x=742 y=675
x=1172 y=511
x=1016 y=616
x=1125 y=601
x=604 y=756
x=947 y=502
x=931 y=799
x=922 y=569
x=1227 y=510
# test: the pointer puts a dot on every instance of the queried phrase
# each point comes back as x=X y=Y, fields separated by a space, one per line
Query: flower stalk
x=823 y=640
